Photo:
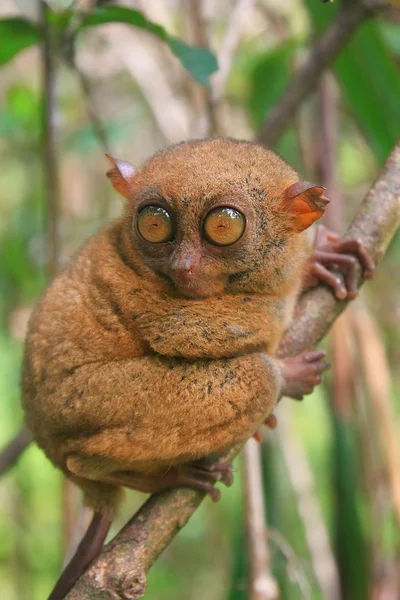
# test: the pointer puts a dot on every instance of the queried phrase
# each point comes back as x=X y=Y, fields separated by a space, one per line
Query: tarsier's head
x=214 y=215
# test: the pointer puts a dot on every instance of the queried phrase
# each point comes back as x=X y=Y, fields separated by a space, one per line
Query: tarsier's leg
x=208 y=406
x=198 y=475
x=330 y=251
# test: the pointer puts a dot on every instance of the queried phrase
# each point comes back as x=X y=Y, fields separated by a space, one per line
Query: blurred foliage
x=369 y=80
x=209 y=558
x=16 y=34
x=199 y=62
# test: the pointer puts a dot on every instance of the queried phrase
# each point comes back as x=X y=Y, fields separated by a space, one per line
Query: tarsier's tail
x=87 y=551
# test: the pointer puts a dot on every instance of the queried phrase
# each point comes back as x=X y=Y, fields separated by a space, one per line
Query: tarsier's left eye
x=224 y=226
x=155 y=224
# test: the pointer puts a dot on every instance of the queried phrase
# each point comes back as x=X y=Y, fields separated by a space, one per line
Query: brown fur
x=125 y=371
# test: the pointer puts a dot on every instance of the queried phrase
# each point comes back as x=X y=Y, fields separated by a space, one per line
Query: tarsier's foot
x=198 y=475
x=329 y=252
x=201 y=476
x=302 y=373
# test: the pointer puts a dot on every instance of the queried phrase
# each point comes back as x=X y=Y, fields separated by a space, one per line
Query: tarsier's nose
x=183 y=268
x=183 y=274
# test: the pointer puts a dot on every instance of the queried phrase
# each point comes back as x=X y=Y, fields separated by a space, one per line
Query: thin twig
x=294 y=567
x=50 y=166
x=262 y=586
x=124 y=562
x=321 y=55
x=97 y=124
x=229 y=44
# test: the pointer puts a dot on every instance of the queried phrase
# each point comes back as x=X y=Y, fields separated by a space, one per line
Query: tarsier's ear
x=121 y=175
x=305 y=203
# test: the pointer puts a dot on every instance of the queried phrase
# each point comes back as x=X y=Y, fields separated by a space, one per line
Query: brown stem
x=124 y=562
x=322 y=54
x=200 y=96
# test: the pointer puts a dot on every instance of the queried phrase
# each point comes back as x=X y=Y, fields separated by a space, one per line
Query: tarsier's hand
x=300 y=374
x=330 y=251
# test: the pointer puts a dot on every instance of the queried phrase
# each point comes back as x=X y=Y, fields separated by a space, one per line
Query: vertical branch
x=50 y=167
x=262 y=585
x=315 y=530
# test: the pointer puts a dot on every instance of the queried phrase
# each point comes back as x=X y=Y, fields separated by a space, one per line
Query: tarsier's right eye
x=155 y=224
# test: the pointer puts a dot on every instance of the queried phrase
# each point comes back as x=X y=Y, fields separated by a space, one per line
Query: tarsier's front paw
x=302 y=373
x=330 y=251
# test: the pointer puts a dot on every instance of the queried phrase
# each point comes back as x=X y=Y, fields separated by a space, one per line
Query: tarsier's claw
x=221 y=467
x=330 y=252
x=202 y=476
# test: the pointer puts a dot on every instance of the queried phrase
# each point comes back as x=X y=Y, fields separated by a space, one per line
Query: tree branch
x=323 y=53
x=120 y=570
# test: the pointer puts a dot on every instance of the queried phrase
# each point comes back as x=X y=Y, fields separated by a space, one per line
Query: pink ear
x=121 y=176
x=305 y=202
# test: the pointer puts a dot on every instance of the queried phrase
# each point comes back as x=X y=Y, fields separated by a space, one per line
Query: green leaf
x=16 y=34
x=199 y=62
x=369 y=79
x=269 y=76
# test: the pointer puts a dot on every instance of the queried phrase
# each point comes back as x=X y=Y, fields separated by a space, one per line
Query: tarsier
x=154 y=348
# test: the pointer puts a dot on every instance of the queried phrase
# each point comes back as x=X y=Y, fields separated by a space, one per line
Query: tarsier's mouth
x=193 y=288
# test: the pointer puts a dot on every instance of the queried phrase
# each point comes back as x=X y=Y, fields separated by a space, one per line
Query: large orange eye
x=224 y=226
x=155 y=224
